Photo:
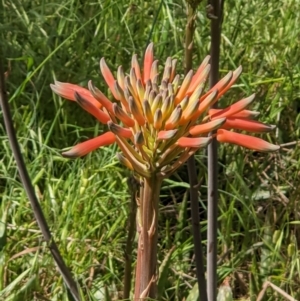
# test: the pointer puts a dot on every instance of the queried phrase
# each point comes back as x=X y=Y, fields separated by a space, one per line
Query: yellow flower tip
x=119 y=131
x=250 y=142
x=102 y=99
x=148 y=60
x=86 y=147
x=190 y=110
x=157 y=102
x=123 y=160
x=140 y=89
x=91 y=108
x=205 y=103
x=193 y=142
x=173 y=120
x=133 y=79
x=158 y=119
x=167 y=107
x=154 y=72
x=147 y=111
x=198 y=79
x=247 y=125
x=136 y=67
x=206 y=127
x=136 y=111
x=184 y=87
x=137 y=162
x=121 y=77
x=67 y=90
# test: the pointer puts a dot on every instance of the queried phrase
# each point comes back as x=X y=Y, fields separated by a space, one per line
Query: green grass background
x=86 y=201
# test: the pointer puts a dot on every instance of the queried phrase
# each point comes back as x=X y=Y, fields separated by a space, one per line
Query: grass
x=86 y=201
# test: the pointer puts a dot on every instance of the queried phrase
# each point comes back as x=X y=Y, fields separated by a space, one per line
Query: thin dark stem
x=198 y=248
x=38 y=213
x=212 y=215
x=133 y=188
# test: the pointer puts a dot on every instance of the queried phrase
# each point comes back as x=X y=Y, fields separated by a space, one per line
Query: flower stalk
x=146 y=274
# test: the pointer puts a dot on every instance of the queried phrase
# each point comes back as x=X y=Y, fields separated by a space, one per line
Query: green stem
x=146 y=277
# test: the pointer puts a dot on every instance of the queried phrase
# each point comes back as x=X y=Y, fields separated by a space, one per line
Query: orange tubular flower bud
x=247 y=125
x=198 y=79
x=105 y=102
x=193 y=142
x=234 y=108
x=253 y=143
x=193 y=104
x=174 y=62
x=86 y=147
x=108 y=76
x=184 y=87
x=67 y=91
x=120 y=114
x=148 y=60
x=164 y=135
x=167 y=70
x=188 y=113
x=119 y=131
x=235 y=75
x=241 y=114
x=91 y=108
x=206 y=103
x=206 y=127
x=220 y=85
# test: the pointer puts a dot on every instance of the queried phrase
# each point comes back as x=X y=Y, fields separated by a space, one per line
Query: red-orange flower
x=158 y=123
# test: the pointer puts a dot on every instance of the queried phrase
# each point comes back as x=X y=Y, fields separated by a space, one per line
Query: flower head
x=159 y=123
